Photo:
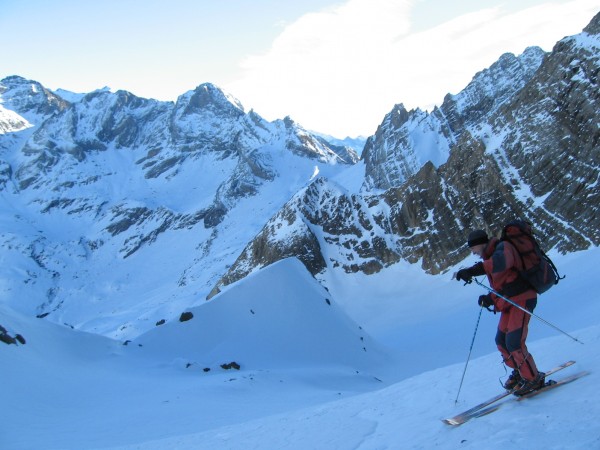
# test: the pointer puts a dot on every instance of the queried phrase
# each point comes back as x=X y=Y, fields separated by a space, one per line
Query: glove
x=477 y=269
x=485 y=301
x=464 y=275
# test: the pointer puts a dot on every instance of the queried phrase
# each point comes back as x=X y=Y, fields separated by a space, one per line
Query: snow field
x=305 y=380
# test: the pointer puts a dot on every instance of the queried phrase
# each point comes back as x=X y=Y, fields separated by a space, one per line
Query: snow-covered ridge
x=245 y=324
x=407 y=140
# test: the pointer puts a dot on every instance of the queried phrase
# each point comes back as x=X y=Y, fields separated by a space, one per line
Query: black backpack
x=538 y=269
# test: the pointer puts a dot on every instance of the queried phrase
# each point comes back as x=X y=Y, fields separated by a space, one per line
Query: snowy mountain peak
x=69 y=96
x=29 y=98
x=209 y=97
x=406 y=140
x=398 y=116
x=504 y=147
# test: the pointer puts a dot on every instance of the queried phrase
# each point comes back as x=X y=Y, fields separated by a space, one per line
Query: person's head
x=477 y=242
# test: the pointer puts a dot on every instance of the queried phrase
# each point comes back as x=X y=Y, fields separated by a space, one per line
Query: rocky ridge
x=406 y=140
x=532 y=151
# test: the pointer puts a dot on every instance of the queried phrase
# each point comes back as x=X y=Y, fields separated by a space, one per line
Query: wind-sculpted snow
x=247 y=323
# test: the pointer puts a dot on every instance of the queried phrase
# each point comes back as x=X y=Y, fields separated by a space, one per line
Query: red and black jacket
x=501 y=263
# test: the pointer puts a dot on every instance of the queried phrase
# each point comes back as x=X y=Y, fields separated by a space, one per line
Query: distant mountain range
x=119 y=211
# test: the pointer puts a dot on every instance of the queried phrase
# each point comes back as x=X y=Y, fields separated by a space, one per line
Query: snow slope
x=305 y=379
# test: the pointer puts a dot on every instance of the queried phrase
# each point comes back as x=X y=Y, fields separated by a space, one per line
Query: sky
x=333 y=66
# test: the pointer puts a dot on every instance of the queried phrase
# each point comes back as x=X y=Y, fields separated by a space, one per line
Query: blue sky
x=334 y=66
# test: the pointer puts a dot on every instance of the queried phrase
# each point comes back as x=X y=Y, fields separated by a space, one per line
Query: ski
x=481 y=409
x=486 y=411
x=476 y=410
x=551 y=384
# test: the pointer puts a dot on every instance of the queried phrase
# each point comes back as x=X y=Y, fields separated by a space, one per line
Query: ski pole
x=525 y=310
x=468 y=357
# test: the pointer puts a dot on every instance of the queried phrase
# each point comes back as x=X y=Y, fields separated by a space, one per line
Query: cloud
x=342 y=69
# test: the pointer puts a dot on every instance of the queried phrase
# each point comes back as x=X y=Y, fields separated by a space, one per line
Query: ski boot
x=528 y=386
x=513 y=380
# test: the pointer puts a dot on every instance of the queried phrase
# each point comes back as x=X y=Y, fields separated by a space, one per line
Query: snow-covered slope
x=245 y=324
x=66 y=389
x=407 y=415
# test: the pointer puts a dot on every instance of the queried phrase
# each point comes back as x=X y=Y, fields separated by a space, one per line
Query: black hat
x=477 y=237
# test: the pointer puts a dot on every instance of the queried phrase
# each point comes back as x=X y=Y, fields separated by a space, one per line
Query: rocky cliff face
x=531 y=151
x=405 y=140
x=555 y=152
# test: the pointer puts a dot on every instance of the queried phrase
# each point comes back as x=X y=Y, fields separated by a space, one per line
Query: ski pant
x=511 y=336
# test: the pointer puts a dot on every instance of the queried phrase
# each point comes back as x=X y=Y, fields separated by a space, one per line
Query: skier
x=500 y=263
